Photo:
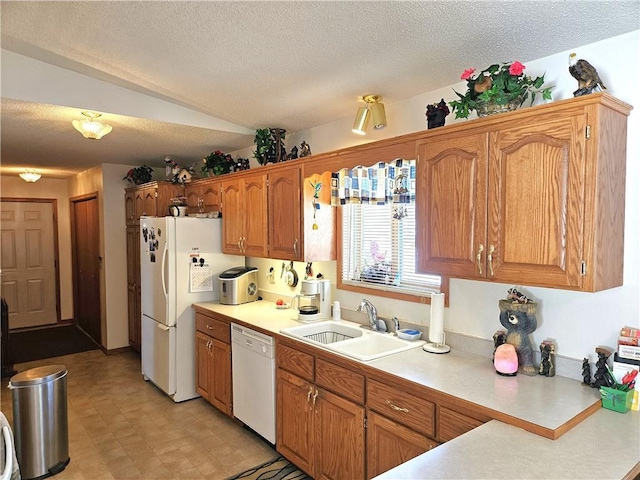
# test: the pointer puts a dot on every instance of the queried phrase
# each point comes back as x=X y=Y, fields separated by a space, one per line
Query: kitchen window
x=377 y=231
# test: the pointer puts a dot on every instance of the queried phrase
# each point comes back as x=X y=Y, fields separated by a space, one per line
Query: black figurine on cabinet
x=586 y=372
x=436 y=113
x=601 y=377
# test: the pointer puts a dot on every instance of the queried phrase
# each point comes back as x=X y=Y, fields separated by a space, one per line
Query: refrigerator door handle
x=163 y=327
x=165 y=255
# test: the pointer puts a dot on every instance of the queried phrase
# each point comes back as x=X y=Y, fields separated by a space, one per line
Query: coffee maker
x=314 y=301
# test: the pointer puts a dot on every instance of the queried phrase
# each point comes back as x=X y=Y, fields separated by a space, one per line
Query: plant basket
x=485 y=109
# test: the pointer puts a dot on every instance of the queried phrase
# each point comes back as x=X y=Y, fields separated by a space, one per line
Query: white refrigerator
x=180 y=260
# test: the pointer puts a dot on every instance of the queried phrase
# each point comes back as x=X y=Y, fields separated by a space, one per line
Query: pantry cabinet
x=213 y=362
x=150 y=199
x=535 y=198
x=320 y=431
x=203 y=196
x=244 y=213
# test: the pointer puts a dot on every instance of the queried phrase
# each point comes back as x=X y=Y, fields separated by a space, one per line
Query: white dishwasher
x=254 y=380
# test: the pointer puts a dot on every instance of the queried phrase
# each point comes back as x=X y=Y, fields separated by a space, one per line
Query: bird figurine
x=586 y=75
x=483 y=83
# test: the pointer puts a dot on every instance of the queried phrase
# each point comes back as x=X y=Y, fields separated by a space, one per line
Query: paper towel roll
x=436 y=324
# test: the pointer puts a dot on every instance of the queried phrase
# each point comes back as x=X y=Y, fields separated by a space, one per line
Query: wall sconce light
x=91 y=129
x=30 y=176
x=373 y=108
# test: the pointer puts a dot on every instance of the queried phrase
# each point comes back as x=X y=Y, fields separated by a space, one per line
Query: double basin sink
x=349 y=339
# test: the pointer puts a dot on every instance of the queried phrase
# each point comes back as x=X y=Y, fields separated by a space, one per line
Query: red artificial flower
x=467 y=73
x=516 y=68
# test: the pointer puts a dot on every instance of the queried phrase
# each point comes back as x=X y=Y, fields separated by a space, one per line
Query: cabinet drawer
x=295 y=361
x=401 y=407
x=214 y=328
x=453 y=424
x=340 y=380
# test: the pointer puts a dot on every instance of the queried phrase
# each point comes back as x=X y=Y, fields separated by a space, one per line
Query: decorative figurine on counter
x=305 y=149
x=436 y=113
x=294 y=153
x=601 y=377
x=547 y=365
x=586 y=75
x=586 y=372
x=520 y=320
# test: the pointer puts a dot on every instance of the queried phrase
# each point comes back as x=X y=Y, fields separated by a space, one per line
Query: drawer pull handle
x=397 y=408
x=479 y=258
x=209 y=327
x=490 y=259
x=309 y=394
x=315 y=396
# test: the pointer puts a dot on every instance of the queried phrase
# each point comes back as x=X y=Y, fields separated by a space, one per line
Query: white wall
x=578 y=322
x=53 y=188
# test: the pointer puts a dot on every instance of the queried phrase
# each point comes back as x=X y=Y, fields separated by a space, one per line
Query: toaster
x=238 y=285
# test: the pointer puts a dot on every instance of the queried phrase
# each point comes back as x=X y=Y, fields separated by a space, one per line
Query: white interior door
x=28 y=263
x=159 y=354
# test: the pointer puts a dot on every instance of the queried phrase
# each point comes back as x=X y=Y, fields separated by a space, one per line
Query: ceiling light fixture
x=90 y=128
x=373 y=108
x=30 y=176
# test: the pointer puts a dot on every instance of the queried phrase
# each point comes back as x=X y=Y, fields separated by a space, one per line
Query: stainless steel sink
x=348 y=339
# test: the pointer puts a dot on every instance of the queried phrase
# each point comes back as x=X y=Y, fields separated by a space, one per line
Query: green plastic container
x=616 y=399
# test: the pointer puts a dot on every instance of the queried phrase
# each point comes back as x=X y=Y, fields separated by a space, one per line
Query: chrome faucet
x=372 y=313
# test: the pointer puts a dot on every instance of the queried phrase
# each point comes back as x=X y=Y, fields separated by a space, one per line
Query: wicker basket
x=485 y=109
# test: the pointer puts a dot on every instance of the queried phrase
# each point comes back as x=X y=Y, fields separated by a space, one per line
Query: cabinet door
x=133 y=286
x=193 y=192
x=130 y=207
x=255 y=239
x=294 y=419
x=203 y=365
x=339 y=437
x=150 y=206
x=285 y=221
x=390 y=444
x=233 y=217
x=451 y=205
x=220 y=380
x=536 y=202
x=210 y=194
x=139 y=205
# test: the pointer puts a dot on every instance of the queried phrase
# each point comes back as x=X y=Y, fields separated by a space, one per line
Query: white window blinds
x=378 y=249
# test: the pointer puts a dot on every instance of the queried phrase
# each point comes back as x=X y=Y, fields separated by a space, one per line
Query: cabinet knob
x=479 y=258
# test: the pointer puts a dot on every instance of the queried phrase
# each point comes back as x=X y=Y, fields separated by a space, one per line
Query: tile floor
x=121 y=427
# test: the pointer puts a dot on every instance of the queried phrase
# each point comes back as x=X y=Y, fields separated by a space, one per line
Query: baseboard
x=116 y=351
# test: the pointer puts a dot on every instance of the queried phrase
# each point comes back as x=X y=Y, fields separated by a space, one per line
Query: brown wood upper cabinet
x=244 y=205
x=203 y=196
x=537 y=198
x=285 y=226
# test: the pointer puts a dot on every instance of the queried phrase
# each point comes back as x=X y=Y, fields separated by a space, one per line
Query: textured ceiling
x=256 y=64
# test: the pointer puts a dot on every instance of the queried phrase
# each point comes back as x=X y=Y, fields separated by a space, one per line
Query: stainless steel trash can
x=40 y=420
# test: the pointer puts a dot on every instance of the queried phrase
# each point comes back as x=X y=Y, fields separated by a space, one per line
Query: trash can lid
x=38 y=375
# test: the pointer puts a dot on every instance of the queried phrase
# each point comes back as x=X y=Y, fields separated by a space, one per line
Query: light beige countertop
x=604 y=445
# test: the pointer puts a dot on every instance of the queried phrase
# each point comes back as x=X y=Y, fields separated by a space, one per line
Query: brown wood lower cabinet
x=319 y=431
x=213 y=362
x=390 y=444
x=321 y=415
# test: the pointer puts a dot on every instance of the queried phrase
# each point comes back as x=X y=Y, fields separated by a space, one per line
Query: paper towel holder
x=436 y=326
